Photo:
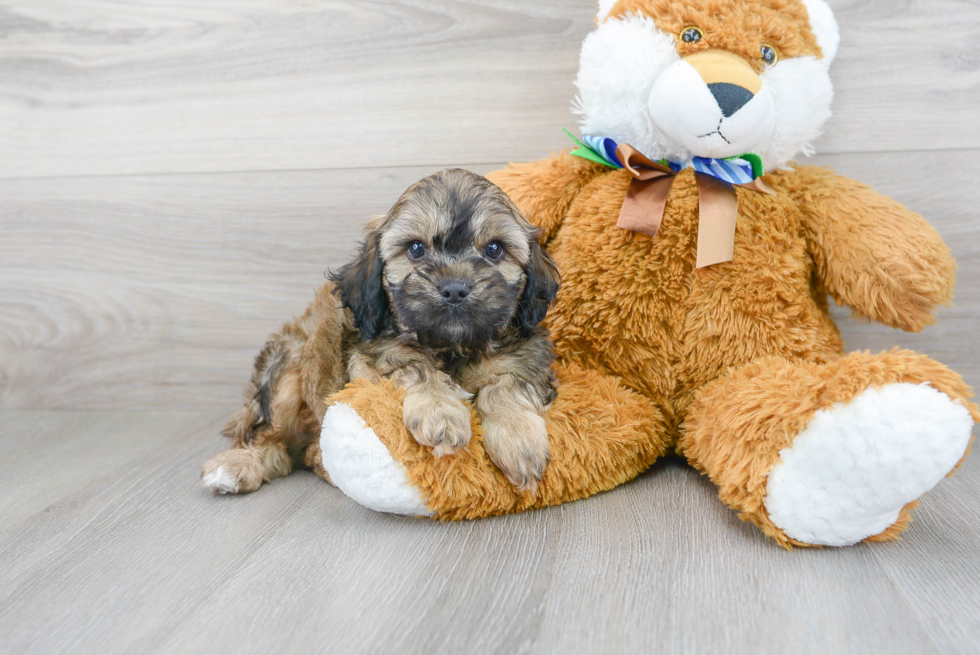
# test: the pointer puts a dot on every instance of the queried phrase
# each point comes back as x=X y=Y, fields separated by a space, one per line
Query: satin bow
x=646 y=198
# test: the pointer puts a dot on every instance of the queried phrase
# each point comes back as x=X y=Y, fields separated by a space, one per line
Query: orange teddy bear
x=693 y=313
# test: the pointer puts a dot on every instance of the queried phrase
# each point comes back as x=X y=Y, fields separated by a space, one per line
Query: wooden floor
x=110 y=545
x=176 y=176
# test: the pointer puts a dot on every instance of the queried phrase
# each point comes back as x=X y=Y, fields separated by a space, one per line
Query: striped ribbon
x=733 y=171
x=605 y=148
x=736 y=170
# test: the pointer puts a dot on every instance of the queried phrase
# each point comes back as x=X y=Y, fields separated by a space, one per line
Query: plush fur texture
x=851 y=471
x=601 y=435
x=824 y=27
x=740 y=424
x=636 y=84
x=726 y=365
x=686 y=346
x=444 y=298
x=363 y=468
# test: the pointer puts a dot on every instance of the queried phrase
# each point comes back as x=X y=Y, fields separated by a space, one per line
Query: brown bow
x=646 y=199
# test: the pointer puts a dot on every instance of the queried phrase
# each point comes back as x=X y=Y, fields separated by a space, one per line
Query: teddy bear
x=697 y=259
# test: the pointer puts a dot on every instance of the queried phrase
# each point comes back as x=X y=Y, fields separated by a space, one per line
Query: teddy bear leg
x=354 y=459
x=600 y=435
x=831 y=454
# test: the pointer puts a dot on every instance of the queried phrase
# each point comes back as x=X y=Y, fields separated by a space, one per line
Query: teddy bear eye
x=691 y=34
x=769 y=55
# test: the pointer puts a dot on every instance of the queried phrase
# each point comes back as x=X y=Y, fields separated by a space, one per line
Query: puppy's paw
x=236 y=471
x=439 y=421
x=518 y=445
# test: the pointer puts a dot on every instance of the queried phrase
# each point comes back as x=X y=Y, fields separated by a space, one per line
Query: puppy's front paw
x=442 y=422
x=518 y=445
x=235 y=471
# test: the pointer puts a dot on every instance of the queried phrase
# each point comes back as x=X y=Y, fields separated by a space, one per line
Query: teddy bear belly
x=637 y=307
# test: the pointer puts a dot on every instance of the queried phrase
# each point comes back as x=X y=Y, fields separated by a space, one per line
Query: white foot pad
x=850 y=472
x=363 y=468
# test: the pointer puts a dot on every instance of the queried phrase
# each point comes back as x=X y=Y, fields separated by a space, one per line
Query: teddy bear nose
x=730 y=97
x=454 y=292
x=730 y=78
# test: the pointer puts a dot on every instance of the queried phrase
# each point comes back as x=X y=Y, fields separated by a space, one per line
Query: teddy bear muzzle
x=714 y=104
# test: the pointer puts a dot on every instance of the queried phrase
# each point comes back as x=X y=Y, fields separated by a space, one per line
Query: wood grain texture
x=134 y=555
x=115 y=87
x=135 y=287
x=157 y=291
x=174 y=179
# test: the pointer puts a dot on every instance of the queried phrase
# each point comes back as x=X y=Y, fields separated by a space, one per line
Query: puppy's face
x=456 y=264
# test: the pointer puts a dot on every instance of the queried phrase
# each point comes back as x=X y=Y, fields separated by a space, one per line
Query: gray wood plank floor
x=110 y=545
x=174 y=179
x=111 y=86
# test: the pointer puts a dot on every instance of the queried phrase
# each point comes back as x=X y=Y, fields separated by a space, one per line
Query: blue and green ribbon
x=743 y=169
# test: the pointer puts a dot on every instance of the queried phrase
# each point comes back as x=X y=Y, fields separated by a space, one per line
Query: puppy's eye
x=691 y=34
x=495 y=250
x=769 y=55
x=416 y=250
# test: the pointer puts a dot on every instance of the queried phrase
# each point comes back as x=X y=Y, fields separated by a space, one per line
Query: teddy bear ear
x=824 y=26
x=605 y=6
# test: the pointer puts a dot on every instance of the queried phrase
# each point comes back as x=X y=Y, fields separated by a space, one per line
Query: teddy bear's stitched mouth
x=718 y=132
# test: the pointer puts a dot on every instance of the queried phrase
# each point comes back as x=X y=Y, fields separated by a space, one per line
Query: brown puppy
x=445 y=299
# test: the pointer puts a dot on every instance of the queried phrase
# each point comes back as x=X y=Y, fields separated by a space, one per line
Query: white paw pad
x=221 y=480
x=363 y=468
x=856 y=465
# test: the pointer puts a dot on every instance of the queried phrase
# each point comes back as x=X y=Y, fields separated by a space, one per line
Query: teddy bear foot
x=835 y=453
x=363 y=468
x=848 y=475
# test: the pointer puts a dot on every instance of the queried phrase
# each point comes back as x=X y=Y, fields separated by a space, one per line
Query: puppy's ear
x=361 y=288
x=540 y=289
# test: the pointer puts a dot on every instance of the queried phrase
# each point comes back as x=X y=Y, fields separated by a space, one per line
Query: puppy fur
x=445 y=298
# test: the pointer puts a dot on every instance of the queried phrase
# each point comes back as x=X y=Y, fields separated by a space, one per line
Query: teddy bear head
x=679 y=79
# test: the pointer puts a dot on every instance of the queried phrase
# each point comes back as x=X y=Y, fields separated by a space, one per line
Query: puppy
x=445 y=299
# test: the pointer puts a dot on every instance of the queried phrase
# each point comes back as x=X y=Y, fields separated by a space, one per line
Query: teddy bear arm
x=543 y=190
x=872 y=253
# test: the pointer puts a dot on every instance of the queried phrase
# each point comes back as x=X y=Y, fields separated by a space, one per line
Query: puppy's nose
x=454 y=291
x=730 y=97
